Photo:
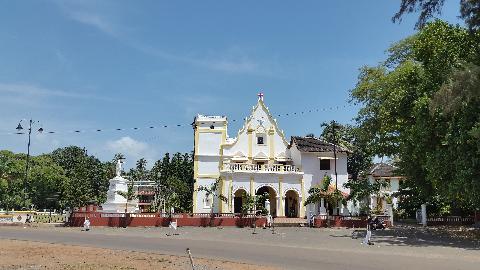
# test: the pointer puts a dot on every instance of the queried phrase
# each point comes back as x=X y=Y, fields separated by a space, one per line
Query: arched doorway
x=292 y=204
x=272 y=197
x=238 y=200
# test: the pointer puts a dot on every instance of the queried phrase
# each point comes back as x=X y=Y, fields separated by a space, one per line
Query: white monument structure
x=259 y=160
x=117 y=203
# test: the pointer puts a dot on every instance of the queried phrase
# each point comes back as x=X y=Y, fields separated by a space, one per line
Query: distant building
x=261 y=160
x=145 y=192
x=384 y=172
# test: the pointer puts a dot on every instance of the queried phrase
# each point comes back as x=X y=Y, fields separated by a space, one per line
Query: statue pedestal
x=116 y=203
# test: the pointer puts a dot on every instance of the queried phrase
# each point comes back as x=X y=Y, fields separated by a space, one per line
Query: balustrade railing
x=240 y=167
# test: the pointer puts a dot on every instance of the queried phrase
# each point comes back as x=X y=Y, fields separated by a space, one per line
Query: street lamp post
x=19 y=128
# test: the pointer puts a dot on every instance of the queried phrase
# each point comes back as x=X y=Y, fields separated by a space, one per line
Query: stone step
x=290 y=222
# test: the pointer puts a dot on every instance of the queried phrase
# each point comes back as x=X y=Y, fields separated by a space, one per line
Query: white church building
x=259 y=160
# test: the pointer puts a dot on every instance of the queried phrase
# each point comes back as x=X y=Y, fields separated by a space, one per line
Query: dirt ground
x=15 y=254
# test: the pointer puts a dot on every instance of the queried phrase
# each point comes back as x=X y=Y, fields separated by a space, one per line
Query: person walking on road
x=368 y=235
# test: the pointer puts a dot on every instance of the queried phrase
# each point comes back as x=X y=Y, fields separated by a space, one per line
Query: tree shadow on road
x=416 y=236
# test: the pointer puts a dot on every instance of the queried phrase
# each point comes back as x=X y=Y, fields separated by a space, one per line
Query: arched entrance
x=238 y=200
x=292 y=207
x=272 y=197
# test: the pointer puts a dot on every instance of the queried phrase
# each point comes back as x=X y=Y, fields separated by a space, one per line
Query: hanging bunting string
x=299 y=113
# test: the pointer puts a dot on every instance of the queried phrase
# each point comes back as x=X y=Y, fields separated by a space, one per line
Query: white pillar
x=233 y=205
x=373 y=202
x=299 y=208
x=277 y=206
x=424 y=215
x=345 y=211
x=323 y=211
x=390 y=212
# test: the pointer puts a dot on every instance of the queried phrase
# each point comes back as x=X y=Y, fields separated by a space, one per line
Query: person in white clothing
x=86 y=224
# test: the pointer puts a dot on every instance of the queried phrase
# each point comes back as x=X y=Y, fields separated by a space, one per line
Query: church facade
x=261 y=160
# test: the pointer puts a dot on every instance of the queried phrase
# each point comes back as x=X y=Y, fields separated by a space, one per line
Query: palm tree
x=255 y=204
x=322 y=191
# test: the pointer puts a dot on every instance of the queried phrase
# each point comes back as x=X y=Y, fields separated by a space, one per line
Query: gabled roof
x=260 y=104
x=314 y=145
x=260 y=156
x=382 y=170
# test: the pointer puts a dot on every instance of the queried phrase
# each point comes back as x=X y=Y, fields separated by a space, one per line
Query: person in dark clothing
x=368 y=235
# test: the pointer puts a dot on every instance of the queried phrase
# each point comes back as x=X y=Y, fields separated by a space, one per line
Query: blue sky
x=86 y=65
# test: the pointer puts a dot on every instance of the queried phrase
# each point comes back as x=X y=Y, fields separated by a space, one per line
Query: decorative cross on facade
x=260 y=96
x=260 y=122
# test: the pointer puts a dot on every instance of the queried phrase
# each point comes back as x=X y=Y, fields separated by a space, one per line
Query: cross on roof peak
x=260 y=96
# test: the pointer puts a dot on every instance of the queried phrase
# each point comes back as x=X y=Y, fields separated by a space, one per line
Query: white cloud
x=132 y=149
x=102 y=19
x=28 y=92
x=96 y=14
x=230 y=61
x=94 y=20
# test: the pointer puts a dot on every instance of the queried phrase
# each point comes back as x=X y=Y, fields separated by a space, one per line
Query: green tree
x=87 y=179
x=469 y=11
x=45 y=182
x=350 y=137
x=254 y=204
x=174 y=181
x=404 y=114
x=12 y=176
x=140 y=172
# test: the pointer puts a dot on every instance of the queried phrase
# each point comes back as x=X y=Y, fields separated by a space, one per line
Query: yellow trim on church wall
x=280 y=190
x=195 y=171
x=252 y=187
x=250 y=141
x=220 y=206
x=195 y=187
x=302 y=210
x=230 y=195
x=208 y=130
x=213 y=175
x=224 y=138
x=271 y=134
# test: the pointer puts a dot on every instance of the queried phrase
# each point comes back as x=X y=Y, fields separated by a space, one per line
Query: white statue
x=119 y=167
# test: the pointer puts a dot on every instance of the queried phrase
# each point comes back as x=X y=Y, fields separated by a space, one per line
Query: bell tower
x=210 y=134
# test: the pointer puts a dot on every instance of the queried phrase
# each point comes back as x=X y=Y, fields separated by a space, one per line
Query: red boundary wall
x=160 y=220
x=451 y=221
x=346 y=221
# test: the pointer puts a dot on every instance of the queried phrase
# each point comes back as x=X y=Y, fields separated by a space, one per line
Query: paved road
x=289 y=249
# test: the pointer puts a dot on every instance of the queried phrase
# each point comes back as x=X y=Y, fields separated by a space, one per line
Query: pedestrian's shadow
x=355 y=234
